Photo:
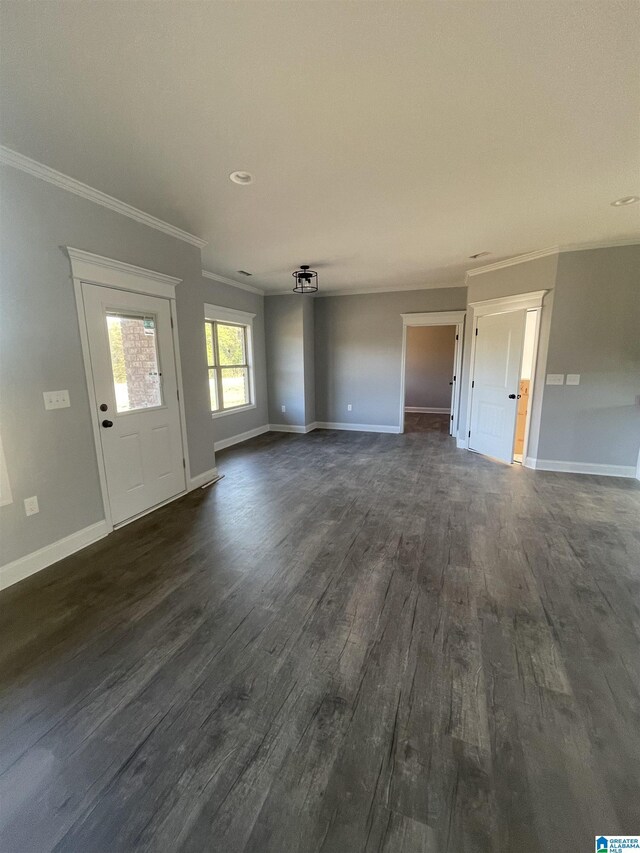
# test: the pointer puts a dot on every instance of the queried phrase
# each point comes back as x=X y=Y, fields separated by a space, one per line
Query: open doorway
x=526 y=386
x=430 y=371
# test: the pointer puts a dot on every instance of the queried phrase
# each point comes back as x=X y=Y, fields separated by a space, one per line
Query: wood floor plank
x=353 y=642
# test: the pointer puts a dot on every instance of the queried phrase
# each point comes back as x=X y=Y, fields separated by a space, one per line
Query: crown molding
x=46 y=173
x=600 y=244
x=371 y=290
x=554 y=250
x=249 y=287
x=510 y=262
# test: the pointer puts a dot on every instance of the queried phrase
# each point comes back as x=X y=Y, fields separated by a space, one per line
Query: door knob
x=107 y=424
x=512 y=396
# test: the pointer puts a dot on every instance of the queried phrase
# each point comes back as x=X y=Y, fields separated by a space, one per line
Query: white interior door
x=134 y=378
x=496 y=381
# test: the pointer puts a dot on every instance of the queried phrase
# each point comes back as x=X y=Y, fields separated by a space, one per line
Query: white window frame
x=220 y=314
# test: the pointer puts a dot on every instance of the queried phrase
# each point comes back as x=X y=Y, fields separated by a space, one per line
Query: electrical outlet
x=31 y=505
x=283 y=408
x=349 y=407
x=56 y=399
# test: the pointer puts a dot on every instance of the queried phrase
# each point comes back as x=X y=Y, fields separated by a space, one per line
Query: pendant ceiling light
x=306 y=280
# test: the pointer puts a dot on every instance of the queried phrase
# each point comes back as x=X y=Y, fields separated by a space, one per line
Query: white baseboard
x=292 y=428
x=427 y=410
x=201 y=479
x=461 y=443
x=242 y=436
x=580 y=467
x=36 y=561
x=359 y=427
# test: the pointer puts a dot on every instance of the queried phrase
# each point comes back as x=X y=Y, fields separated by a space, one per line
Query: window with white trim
x=229 y=342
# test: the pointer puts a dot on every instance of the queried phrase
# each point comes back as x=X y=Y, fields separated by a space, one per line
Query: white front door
x=134 y=378
x=496 y=381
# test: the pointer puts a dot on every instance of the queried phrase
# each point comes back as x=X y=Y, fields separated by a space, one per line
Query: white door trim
x=435 y=318
x=508 y=303
x=529 y=301
x=95 y=269
x=106 y=272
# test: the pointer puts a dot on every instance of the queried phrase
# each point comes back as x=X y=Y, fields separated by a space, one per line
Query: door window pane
x=235 y=387
x=231 y=344
x=134 y=362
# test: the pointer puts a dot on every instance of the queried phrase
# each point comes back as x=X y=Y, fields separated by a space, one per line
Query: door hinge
x=171 y=318
x=184 y=463
x=456 y=337
x=177 y=393
x=476 y=330
x=469 y=433
x=451 y=418
x=473 y=383
x=454 y=378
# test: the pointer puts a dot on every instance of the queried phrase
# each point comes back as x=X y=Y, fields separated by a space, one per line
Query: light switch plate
x=56 y=399
x=31 y=505
x=573 y=378
x=555 y=378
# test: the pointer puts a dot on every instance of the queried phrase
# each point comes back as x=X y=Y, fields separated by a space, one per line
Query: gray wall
x=429 y=366
x=527 y=277
x=595 y=332
x=359 y=351
x=51 y=454
x=308 y=352
x=284 y=325
x=590 y=322
x=236 y=423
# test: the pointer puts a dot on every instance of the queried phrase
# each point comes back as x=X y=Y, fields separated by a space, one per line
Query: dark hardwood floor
x=421 y=422
x=353 y=642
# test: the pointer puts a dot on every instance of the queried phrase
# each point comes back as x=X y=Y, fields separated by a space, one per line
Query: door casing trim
x=532 y=301
x=106 y=272
x=435 y=318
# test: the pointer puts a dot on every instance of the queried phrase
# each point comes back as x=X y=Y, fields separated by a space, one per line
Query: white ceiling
x=389 y=141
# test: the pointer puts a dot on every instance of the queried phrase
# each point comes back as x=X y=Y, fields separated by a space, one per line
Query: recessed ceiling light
x=241 y=177
x=479 y=255
x=623 y=202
